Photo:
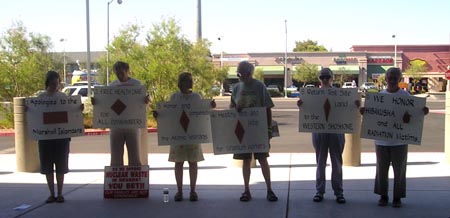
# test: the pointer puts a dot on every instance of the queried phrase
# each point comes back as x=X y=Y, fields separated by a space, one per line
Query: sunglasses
x=324 y=77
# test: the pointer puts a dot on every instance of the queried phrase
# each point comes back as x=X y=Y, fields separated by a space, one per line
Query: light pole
x=395 y=51
x=285 y=62
x=221 y=51
x=107 y=40
x=63 y=40
x=88 y=46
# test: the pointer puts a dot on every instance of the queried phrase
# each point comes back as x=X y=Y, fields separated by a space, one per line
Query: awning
x=266 y=70
x=374 y=71
x=345 y=69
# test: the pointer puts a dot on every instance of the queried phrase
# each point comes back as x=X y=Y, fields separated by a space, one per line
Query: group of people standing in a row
x=248 y=93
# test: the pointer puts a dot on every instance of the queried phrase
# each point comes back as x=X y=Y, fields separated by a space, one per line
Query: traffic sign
x=447 y=74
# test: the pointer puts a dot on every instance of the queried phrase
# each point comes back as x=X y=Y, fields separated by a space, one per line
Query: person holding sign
x=54 y=151
x=192 y=153
x=324 y=142
x=252 y=93
x=120 y=136
x=392 y=152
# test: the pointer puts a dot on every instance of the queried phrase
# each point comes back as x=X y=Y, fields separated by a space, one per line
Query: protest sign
x=126 y=182
x=331 y=110
x=243 y=132
x=393 y=118
x=120 y=107
x=184 y=122
x=54 y=117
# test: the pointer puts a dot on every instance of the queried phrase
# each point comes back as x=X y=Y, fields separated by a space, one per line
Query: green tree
x=308 y=46
x=416 y=67
x=258 y=74
x=165 y=54
x=306 y=73
x=24 y=60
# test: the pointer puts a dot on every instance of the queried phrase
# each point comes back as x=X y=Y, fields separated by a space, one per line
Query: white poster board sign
x=243 y=132
x=54 y=117
x=120 y=107
x=330 y=110
x=386 y=118
x=184 y=123
x=126 y=182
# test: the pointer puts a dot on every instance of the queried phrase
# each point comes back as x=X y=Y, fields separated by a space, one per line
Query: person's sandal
x=193 y=196
x=178 y=196
x=246 y=196
x=50 y=199
x=60 y=199
x=271 y=196
x=318 y=197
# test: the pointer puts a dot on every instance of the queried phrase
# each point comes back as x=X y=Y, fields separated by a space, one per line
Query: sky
x=242 y=25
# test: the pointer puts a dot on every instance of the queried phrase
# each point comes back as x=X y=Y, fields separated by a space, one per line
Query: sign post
x=447 y=118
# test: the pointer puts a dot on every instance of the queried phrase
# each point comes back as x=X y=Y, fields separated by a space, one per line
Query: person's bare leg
x=246 y=173
x=51 y=183
x=193 y=171
x=265 y=168
x=179 y=176
x=60 y=183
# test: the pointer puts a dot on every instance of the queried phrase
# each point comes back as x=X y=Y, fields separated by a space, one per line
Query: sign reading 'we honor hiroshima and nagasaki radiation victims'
x=126 y=182
x=331 y=110
x=393 y=118
x=184 y=122
x=54 y=117
x=120 y=107
x=240 y=132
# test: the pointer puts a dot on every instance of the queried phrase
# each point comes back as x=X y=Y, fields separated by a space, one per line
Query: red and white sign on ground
x=447 y=74
x=126 y=182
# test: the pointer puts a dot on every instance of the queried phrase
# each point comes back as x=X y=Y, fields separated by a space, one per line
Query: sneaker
x=397 y=202
x=178 y=196
x=318 y=197
x=383 y=200
x=340 y=199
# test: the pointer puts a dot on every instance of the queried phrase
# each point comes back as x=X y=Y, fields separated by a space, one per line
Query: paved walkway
x=219 y=188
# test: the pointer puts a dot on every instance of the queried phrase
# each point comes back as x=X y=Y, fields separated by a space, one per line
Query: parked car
x=309 y=86
x=292 y=91
x=367 y=86
x=348 y=85
x=77 y=90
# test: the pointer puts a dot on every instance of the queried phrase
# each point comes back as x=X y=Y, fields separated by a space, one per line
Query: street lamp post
x=63 y=40
x=107 y=40
x=285 y=62
x=395 y=51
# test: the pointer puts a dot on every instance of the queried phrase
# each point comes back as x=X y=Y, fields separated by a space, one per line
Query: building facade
x=362 y=63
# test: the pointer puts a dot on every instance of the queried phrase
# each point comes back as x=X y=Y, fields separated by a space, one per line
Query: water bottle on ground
x=166 y=195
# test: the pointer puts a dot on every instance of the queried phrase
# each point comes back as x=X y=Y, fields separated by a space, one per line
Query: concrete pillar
x=352 y=149
x=27 y=152
x=447 y=123
x=238 y=163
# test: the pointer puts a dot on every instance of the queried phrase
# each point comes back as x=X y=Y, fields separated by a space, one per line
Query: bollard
x=27 y=152
x=352 y=148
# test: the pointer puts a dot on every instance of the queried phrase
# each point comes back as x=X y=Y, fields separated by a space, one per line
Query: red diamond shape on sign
x=118 y=107
x=239 y=131
x=184 y=121
x=326 y=109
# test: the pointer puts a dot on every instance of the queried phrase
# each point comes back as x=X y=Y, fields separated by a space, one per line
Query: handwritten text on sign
x=243 y=132
x=183 y=123
x=55 y=117
x=126 y=182
x=330 y=110
x=385 y=117
x=120 y=107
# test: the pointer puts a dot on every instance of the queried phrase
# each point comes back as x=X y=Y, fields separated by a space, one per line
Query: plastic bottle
x=165 y=195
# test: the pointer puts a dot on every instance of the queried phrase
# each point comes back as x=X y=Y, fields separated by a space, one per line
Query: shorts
x=190 y=153
x=54 y=152
x=244 y=156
